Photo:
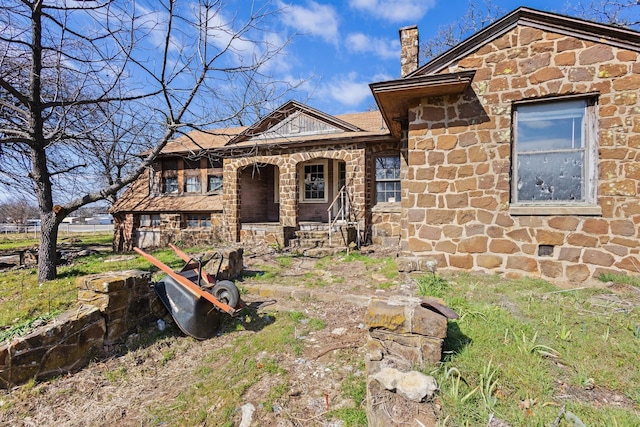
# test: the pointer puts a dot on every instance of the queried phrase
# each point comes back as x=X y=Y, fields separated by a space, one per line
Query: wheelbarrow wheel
x=227 y=292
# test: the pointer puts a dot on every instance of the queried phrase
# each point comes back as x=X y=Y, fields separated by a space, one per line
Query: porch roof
x=199 y=140
x=367 y=125
x=393 y=96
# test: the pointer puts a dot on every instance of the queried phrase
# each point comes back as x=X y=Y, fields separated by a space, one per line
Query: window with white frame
x=149 y=220
x=388 y=178
x=554 y=153
x=314 y=182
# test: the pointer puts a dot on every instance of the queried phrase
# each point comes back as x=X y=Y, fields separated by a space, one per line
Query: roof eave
x=566 y=25
x=339 y=139
x=393 y=96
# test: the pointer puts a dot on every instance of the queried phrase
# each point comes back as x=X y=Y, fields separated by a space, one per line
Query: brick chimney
x=409 y=48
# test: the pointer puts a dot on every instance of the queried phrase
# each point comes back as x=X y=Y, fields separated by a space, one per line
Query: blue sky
x=345 y=45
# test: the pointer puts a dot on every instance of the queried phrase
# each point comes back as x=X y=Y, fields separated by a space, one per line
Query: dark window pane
x=170 y=184
x=388 y=179
x=551 y=176
x=215 y=183
x=314 y=182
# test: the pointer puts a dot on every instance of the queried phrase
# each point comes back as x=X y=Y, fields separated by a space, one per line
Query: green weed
x=488 y=384
x=530 y=345
x=620 y=278
x=353 y=388
x=432 y=285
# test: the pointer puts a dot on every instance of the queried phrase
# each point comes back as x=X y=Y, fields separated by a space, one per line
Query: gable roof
x=292 y=120
x=323 y=128
x=199 y=140
x=431 y=79
x=294 y=123
x=547 y=21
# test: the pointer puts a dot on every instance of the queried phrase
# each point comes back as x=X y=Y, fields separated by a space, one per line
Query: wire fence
x=64 y=229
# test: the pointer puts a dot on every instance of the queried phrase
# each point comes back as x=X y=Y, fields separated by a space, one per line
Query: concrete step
x=308 y=243
x=312 y=234
x=318 y=252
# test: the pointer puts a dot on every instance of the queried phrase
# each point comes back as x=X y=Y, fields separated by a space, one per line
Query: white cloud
x=394 y=10
x=347 y=90
x=315 y=19
x=361 y=43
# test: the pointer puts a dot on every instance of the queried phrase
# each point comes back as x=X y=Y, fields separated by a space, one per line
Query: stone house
x=516 y=152
x=295 y=171
x=523 y=149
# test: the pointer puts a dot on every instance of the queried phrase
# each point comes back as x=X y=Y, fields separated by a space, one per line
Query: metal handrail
x=343 y=196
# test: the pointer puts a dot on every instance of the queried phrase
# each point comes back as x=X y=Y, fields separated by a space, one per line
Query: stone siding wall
x=128 y=232
x=385 y=224
x=456 y=201
x=270 y=234
x=111 y=306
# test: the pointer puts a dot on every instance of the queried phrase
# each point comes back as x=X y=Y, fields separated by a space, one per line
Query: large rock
x=387 y=409
x=412 y=385
x=405 y=315
x=404 y=332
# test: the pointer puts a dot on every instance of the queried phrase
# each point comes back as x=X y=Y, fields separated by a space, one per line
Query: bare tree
x=622 y=13
x=17 y=211
x=85 y=86
x=477 y=16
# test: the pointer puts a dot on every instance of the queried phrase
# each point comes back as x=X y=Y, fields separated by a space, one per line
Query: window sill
x=386 y=207
x=555 y=210
x=314 y=201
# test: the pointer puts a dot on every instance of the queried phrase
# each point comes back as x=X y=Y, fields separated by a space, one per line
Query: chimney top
x=409 y=49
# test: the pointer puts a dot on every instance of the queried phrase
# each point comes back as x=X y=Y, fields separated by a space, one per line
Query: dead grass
x=521 y=351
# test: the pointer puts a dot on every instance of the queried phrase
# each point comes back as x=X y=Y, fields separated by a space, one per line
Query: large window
x=314 y=188
x=554 y=153
x=197 y=220
x=191 y=176
x=214 y=175
x=388 y=179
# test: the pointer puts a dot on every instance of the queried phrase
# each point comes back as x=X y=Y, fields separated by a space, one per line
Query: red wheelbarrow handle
x=189 y=260
x=191 y=287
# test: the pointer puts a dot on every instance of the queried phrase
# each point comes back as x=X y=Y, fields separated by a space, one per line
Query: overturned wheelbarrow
x=195 y=299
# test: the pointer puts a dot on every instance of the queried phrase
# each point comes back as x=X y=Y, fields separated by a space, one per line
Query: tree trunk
x=47 y=253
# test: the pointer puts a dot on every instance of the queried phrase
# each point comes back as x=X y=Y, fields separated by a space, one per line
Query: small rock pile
x=404 y=333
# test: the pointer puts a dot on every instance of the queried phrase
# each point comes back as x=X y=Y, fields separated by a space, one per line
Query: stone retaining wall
x=111 y=306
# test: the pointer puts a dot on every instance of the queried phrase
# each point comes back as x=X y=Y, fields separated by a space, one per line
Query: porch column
x=356 y=182
x=231 y=201
x=288 y=195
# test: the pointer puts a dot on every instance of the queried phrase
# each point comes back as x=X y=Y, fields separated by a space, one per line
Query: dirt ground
x=329 y=355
